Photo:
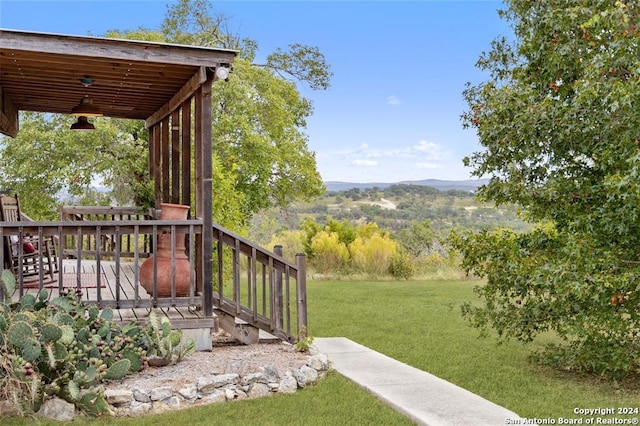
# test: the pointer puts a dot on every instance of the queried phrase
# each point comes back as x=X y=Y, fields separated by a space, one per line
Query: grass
x=418 y=323
x=334 y=400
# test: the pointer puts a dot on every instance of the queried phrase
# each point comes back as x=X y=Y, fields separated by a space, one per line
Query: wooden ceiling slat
x=42 y=72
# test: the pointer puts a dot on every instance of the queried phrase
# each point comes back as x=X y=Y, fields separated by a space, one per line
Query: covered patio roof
x=131 y=79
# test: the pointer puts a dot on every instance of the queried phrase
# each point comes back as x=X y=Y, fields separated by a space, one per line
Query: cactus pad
x=93 y=312
x=118 y=369
x=8 y=283
x=43 y=295
x=51 y=332
x=62 y=318
x=136 y=362
x=67 y=334
x=30 y=349
x=18 y=332
x=107 y=314
x=28 y=301
x=73 y=390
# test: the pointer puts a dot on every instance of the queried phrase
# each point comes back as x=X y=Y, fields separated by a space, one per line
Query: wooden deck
x=116 y=287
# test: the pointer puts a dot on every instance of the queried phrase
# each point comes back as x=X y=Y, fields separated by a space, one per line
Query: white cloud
x=430 y=150
x=364 y=163
x=393 y=100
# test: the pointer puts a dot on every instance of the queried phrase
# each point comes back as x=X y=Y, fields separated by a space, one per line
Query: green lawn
x=418 y=323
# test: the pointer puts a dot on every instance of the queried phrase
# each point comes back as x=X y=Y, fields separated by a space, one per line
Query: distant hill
x=442 y=185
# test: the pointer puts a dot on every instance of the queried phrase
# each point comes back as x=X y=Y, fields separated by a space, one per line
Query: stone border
x=213 y=388
x=205 y=389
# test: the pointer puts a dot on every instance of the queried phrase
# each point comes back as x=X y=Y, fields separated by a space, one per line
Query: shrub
x=329 y=254
x=292 y=243
x=372 y=255
x=402 y=265
x=65 y=349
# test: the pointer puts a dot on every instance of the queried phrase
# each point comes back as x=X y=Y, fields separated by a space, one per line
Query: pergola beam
x=124 y=51
x=183 y=94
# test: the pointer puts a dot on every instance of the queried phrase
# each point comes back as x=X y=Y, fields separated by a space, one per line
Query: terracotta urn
x=183 y=266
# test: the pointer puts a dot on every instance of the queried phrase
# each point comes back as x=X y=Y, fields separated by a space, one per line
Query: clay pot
x=183 y=266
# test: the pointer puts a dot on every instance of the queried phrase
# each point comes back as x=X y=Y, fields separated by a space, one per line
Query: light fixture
x=86 y=107
x=82 y=124
x=222 y=73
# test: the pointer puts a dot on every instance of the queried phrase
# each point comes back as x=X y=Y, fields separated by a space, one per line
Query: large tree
x=261 y=155
x=560 y=127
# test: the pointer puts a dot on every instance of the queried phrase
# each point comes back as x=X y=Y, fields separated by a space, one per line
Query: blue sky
x=393 y=110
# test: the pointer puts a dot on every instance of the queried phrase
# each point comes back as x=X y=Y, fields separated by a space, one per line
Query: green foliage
x=261 y=153
x=402 y=265
x=330 y=255
x=165 y=344
x=292 y=243
x=304 y=342
x=7 y=285
x=372 y=254
x=418 y=238
x=66 y=349
x=559 y=123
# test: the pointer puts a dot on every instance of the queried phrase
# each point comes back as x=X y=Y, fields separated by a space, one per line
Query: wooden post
x=164 y=125
x=155 y=163
x=175 y=156
x=206 y=135
x=277 y=293
x=186 y=154
x=301 y=294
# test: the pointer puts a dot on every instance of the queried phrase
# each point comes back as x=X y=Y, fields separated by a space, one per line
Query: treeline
x=340 y=248
x=399 y=231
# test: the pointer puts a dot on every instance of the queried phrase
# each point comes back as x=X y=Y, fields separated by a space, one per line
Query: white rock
x=288 y=384
x=230 y=394
x=189 y=393
x=57 y=409
x=118 y=396
x=138 y=408
x=258 y=390
x=141 y=395
x=158 y=394
x=215 y=396
x=319 y=362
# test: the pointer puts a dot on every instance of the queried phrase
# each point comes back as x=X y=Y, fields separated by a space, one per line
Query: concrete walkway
x=423 y=397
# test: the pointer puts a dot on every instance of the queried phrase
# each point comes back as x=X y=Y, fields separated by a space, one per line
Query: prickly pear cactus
x=18 y=332
x=30 y=349
x=118 y=369
x=62 y=348
x=28 y=302
x=51 y=332
x=7 y=285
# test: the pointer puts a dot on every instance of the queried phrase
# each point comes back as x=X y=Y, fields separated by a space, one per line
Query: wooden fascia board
x=115 y=49
x=9 y=121
x=182 y=95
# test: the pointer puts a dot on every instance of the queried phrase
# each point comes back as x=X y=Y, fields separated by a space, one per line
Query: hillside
x=442 y=185
x=396 y=206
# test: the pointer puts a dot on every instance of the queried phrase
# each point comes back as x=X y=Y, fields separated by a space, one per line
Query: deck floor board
x=118 y=284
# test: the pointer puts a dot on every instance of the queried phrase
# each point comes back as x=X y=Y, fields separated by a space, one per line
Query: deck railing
x=260 y=286
x=107 y=242
x=251 y=283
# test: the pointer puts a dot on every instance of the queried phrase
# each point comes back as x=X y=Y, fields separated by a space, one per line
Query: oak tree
x=261 y=153
x=559 y=123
